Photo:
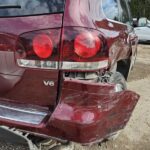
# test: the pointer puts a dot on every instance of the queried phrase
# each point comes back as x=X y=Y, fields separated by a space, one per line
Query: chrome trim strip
x=37 y=64
x=29 y=115
x=84 y=65
x=24 y=111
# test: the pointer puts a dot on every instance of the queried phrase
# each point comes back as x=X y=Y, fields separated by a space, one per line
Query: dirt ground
x=136 y=136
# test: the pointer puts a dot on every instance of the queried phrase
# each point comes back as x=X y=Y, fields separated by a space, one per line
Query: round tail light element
x=42 y=45
x=87 y=45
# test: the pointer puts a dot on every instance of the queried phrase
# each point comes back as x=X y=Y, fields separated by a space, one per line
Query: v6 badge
x=49 y=83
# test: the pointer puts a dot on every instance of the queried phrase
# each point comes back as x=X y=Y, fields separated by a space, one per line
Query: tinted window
x=30 y=7
x=124 y=13
x=110 y=8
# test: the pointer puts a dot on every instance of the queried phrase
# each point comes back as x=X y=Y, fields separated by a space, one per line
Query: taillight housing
x=70 y=48
x=39 y=49
x=83 y=49
x=7 y=42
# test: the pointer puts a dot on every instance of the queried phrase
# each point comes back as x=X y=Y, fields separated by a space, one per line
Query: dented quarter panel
x=90 y=14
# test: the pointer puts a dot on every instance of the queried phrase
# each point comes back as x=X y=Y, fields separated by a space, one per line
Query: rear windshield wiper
x=10 y=6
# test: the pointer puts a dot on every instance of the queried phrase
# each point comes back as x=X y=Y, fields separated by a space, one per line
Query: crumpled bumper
x=90 y=112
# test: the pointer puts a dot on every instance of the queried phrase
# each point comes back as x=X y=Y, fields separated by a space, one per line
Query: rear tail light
x=83 y=49
x=87 y=45
x=39 y=49
x=42 y=46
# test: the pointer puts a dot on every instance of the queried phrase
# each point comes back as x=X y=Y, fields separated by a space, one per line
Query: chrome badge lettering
x=49 y=83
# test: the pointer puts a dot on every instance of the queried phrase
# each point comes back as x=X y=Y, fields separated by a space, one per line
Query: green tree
x=140 y=8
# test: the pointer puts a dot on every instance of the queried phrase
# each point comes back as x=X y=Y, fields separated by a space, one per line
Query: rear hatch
x=30 y=32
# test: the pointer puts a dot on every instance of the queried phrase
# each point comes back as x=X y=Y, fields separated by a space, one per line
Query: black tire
x=123 y=67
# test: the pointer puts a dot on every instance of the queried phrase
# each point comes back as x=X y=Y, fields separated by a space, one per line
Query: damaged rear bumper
x=90 y=112
x=86 y=113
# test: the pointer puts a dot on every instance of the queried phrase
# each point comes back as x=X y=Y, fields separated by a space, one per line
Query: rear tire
x=123 y=66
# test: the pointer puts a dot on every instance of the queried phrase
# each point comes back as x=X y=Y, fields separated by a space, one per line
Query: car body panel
x=20 y=84
x=19 y=25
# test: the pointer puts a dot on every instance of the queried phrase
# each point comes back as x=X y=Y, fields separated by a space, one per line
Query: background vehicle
x=143 y=30
x=63 y=67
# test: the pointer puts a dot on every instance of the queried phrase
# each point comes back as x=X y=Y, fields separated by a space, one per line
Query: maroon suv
x=64 y=66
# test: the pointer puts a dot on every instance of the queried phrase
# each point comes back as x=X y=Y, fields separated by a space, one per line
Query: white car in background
x=143 y=30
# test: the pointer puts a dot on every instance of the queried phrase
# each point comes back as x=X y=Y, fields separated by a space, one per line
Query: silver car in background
x=143 y=30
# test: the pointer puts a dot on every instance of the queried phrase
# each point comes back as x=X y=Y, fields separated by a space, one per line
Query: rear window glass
x=30 y=7
x=111 y=10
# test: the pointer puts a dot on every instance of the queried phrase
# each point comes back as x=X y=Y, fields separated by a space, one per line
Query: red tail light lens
x=83 y=45
x=43 y=46
x=87 y=45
